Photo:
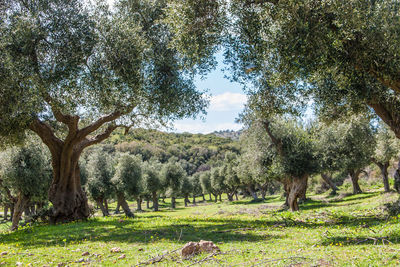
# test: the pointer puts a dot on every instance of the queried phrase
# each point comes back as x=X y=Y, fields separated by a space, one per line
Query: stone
x=193 y=248
x=86 y=253
x=115 y=250
x=123 y=256
x=4 y=253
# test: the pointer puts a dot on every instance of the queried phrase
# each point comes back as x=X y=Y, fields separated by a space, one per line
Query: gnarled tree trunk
x=194 y=200
x=103 y=209
x=122 y=202
x=65 y=193
x=384 y=171
x=155 y=201
x=19 y=208
x=355 y=175
x=327 y=178
x=252 y=192
x=295 y=187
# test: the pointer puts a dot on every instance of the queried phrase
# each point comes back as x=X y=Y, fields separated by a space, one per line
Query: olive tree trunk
x=99 y=202
x=155 y=201
x=117 y=208
x=139 y=203
x=19 y=208
x=328 y=179
x=384 y=171
x=194 y=200
x=355 y=176
x=173 y=202
x=65 y=193
x=124 y=205
x=295 y=188
x=5 y=216
x=106 y=206
x=252 y=192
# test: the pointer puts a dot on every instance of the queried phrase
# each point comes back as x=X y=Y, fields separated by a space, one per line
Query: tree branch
x=98 y=138
x=390 y=117
x=97 y=124
x=277 y=142
x=46 y=133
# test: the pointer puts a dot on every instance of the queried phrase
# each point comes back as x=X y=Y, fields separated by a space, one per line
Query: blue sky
x=226 y=102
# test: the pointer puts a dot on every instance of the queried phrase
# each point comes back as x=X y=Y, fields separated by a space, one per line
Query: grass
x=339 y=231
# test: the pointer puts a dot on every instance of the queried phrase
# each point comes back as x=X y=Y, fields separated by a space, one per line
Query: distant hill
x=234 y=135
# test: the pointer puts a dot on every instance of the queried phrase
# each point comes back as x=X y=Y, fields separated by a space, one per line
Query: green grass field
x=339 y=231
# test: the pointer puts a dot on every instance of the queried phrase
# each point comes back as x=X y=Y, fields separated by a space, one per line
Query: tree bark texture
x=252 y=192
x=124 y=205
x=19 y=208
x=100 y=203
x=355 y=176
x=295 y=188
x=65 y=193
x=147 y=203
x=327 y=178
x=155 y=201
x=194 y=200
x=384 y=171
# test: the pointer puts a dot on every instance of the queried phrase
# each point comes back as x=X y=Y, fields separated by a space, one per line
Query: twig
x=376 y=240
x=180 y=235
x=205 y=259
x=157 y=258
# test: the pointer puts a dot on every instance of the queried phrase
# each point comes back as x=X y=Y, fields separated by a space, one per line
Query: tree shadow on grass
x=373 y=239
x=131 y=231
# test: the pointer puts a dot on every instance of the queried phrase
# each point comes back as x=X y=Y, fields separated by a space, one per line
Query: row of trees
x=283 y=150
x=288 y=151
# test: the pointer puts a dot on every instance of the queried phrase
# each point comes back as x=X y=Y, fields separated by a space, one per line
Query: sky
x=226 y=102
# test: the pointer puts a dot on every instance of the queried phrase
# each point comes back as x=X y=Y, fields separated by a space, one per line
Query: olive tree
x=196 y=186
x=127 y=180
x=347 y=146
x=385 y=150
x=231 y=178
x=205 y=181
x=152 y=181
x=173 y=175
x=73 y=72
x=26 y=177
x=99 y=186
x=186 y=189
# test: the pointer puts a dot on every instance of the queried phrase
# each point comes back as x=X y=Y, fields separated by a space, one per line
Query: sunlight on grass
x=353 y=230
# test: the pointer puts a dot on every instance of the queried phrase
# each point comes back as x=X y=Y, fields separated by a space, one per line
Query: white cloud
x=227 y=101
x=203 y=127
